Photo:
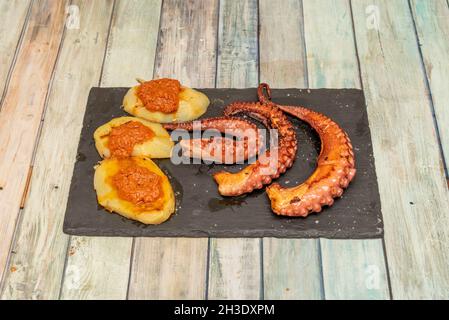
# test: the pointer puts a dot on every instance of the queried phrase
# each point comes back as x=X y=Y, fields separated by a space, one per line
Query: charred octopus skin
x=335 y=170
x=270 y=164
x=221 y=149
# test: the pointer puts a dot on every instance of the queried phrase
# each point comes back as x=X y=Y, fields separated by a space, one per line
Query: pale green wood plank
x=38 y=258
x=98 y=267
x=22 y=109
x=352 y=269
x=432 y=25
x=413 y=190
x=175 y=268
x=331 y=54
x=291 y=267
x=13 y=18
x=234 y=271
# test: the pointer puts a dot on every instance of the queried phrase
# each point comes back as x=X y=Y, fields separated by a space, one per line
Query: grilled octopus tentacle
x=261 y=90
x=272 y=162
x=336 y=169
x=221 y=149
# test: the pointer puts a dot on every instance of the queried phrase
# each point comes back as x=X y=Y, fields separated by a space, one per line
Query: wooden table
x=53 y=51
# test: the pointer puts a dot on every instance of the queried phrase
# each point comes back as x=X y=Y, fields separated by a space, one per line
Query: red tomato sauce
x=160 y=95
x=137 y=184
x=124 y=137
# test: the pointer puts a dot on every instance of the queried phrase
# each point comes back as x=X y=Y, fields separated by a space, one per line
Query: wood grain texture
x=282 y=60
x=235 y=265
x=132 y=43
x=352 y=269
x=97 y=269
x=331 y=55
x=22 y=110
x=282 y=64
x=13 y=18
x=188 y=42
x=413 y=190
x=432 y=25
x=37 y=261
x=235 y=269
x=238 y=46
x=175 y=268
x=130 y=53
x=292 y=269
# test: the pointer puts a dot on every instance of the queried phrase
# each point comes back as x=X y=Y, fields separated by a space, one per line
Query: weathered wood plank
x=413 y=190
x=238 y=47
x=37 y=261
x=235 y=270
x=291 y=267
x=281 y=27
x=175 y=268
x=97 y=268
x=22 y=110
x=432 y=25
x=188 y=42
x=133 y=37
x=132 y=43
x=331 y=54
x=13 y=19
x=352 y=269
x=361 y=259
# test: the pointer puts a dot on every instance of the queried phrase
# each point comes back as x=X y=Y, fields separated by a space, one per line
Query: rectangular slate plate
x=202 y=212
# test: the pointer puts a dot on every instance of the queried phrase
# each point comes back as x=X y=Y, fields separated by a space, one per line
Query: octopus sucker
x=218 y=149
x=335 y=170
x=272 y=163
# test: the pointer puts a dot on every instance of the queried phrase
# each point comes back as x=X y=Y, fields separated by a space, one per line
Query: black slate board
x=202 y=212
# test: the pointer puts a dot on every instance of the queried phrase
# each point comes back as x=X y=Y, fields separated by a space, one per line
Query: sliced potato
x=107 y=195
x=159 y=146
x=192 y=105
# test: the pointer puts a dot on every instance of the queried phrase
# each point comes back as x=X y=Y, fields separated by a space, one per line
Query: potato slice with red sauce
x=192 y=105
x=135 y=195
x=158 y=144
